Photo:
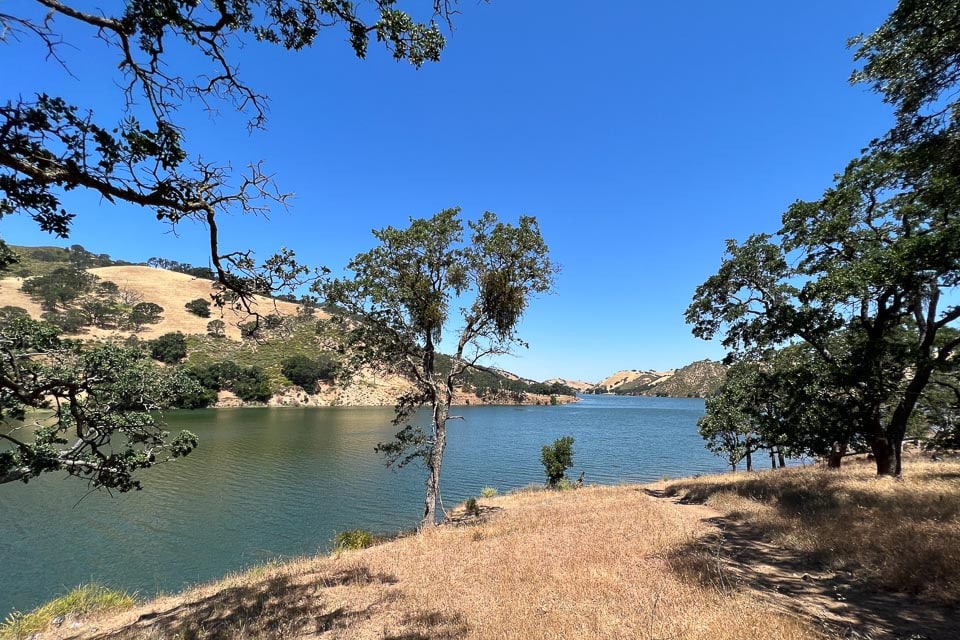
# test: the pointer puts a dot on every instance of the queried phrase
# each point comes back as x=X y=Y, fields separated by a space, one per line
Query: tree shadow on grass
x=286 y=606
x=867 y=554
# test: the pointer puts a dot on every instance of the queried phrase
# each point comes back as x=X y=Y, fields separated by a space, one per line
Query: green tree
x=305 y=372
x=170 y=348
x=145 y=313
x=60 y=287
x=49 y=146
x=397 y=305
x=864 y=275
x=104 y=400
x=199 y=307
x=556 y=459
x=216 y=328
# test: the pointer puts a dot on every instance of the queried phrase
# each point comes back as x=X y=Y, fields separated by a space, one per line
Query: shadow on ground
x=288 y=606
x=741 y=555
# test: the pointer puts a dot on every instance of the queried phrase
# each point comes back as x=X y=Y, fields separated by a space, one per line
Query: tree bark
x=749 y=458
x=441 y=411
x=837 y=452
x=781 y=458
x=884 y=455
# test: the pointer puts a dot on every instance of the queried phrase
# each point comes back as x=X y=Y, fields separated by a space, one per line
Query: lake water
x=269 y=483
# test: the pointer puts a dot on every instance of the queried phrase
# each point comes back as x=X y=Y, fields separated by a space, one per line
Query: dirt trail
x=837 y=600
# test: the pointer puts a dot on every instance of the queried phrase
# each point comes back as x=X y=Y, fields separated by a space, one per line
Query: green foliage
x=105 y=399
x=198 y=307
x=863 y=276
x=471 y=507
x=216 y=328
x=395 y=309
x=81 y=601
x=353 y=539
x=170 y=348
x=305 y=372
x=60 y=287
x=556 y=459
x=488 y=492
x=250 y=384
x=145 y=313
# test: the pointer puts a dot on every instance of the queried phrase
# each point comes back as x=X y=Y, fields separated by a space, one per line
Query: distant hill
x=295 y=335
x=696 y=380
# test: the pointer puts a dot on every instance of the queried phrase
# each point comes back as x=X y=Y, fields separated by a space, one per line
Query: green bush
x=198 y=307
x=304 y=372
x=488 y=492
x=216 y=328
x=352 y=539
x=556 y=459
x=471 y=507
x=170 y=348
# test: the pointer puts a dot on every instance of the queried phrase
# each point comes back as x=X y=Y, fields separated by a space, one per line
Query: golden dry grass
x=169 y=289
x=893 y=534
x=591 y=563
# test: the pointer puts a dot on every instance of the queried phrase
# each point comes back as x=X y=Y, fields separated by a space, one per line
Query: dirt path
x=838 y=601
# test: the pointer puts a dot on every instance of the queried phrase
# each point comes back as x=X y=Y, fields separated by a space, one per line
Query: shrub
x=170 y=348
x=145 y=313
x=488 y=492
x=352 y=539
x=556 y=459
x=198 y=307
x=471 y=507
x=216 y=328
x=304 y=372
x=252 y=385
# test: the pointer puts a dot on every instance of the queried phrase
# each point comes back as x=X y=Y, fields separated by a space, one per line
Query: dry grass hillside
x=593 y=563
x=792 y=554
x=621 y=378
x=169 y=289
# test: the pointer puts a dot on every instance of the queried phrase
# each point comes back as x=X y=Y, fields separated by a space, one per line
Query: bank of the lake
x=268 y=483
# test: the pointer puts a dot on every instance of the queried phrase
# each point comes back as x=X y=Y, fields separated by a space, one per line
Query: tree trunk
x=781 y=458
x=773 y=459
x=837 y=452
x=441 y=410
x=749 y=459
x=884 y=455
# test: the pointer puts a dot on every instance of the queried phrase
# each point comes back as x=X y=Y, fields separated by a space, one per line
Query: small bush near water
x=81 y=601
x=557 y=458
x=488 y=492
x=352 y=539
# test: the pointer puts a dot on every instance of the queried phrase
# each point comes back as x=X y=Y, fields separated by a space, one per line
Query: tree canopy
x=865 y=276
x=50 y=146
x=400 y=302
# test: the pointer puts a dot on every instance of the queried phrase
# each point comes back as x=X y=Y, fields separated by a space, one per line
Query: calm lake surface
x=269 y=483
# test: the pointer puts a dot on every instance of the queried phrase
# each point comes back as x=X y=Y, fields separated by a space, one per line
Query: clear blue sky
x=641 y=135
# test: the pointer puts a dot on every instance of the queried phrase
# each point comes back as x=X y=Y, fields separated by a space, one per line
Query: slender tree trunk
x=837 y=452
x=749 y=459
x=781 y=458
x=773 y=459
x=441 y=411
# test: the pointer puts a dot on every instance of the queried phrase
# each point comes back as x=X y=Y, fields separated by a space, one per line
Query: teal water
x=269 y=483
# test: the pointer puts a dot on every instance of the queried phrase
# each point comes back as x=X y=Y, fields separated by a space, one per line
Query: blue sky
x=641 y=136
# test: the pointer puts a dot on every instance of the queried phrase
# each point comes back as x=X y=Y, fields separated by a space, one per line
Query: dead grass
x=578 y=564
x=899 y=535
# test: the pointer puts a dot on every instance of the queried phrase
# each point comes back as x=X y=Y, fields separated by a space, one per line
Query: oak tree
x=404 y=296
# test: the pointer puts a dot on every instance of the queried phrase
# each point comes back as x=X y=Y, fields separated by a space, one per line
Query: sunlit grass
x=79 y=602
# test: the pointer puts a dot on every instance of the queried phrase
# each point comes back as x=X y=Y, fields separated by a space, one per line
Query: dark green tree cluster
x=170 y=348
x=198 y=307
x=250 y=384
x=305 y=372
x=854 y=296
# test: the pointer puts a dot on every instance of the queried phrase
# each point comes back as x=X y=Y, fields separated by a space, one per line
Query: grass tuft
x=352 y=539
x=81 y=601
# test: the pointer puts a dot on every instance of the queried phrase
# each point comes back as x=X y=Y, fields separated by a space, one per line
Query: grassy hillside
x=696 y=380
x=793 y=554
x=297 y=335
